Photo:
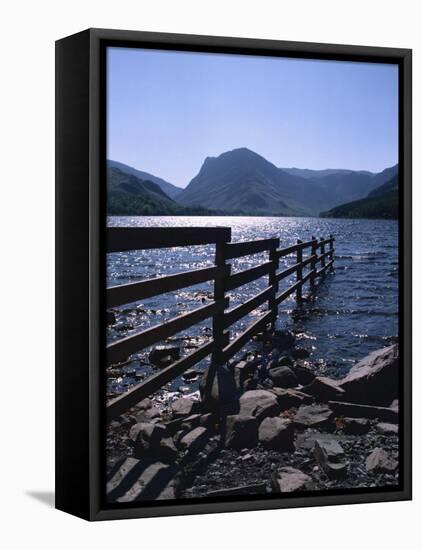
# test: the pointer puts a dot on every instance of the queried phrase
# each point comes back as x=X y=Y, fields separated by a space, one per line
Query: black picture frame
x=80 y=271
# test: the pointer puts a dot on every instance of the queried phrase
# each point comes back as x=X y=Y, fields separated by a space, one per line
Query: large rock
x=303 y=374
x=243 y=371
x=284 y=361
x=153 y=441
x=291 y=480
x=219 y=393
x=149 y=414
x=330 y=455
x=364 y=411
x=241 y=432
x=380 y=461
x=195 y=440
x=277 y=434
x=283 y=377
x=138 y=480
x=164 y=354
x=184 y=406
x=259 y=403
x=324 y=389
x=385 y=428
x=313 y=416
x=375 y=379
x=288 y=398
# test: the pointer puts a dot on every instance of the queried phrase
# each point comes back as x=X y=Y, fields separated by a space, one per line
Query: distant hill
x=310 y=174
x=390 y=185
x=168 y=188
x=129 y=195
x=382 y=202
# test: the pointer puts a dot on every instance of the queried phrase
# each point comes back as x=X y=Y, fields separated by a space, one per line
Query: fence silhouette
x=221 y=349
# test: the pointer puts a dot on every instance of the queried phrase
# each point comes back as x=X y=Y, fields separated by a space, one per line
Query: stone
x=380 y=461
x=190 y=422
x=313 y=416
x=241 y=432
x=164 y=354
x=300 y=353
x=291 y=480
x=153 y=441
x=395 y=405
x=324 y=389
x=250 y=384
x=284 y=361
x=277 y=434
x=184 y=406
x=306 y=440
x=137 y=480
x=288 y=398
x=330 y=455
x=195 y=440
x=355 y=426
x=219 y=393
x=283 y=377
x=110 y=317
x=243 y=370
x=259 y=403
x=272 y=364
x=148 y=414
x=375 y=379
x=303 y=374
x=144 y=404
x=209 y=421
x=356 y=410
x=191 y=374
x=386 y=428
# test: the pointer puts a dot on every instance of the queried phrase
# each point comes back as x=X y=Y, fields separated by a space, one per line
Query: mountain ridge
x=381 y=203
x=242 y=182
x=169 y=189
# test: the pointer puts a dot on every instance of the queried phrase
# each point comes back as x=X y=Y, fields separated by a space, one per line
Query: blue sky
x=167 y=111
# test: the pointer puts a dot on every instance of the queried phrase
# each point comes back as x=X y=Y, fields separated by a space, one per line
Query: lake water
x=353 y=312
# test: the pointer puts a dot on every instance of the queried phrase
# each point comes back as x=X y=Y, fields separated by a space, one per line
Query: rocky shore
x=267 y=423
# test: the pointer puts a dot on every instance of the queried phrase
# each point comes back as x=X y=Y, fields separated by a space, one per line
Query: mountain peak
x=241 y=158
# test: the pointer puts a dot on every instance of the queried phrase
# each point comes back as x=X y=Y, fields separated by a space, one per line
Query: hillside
x=169 y=189
x=390 y=185
x=380 y=203
x=129 y=195
x=311 y=174
x=243 y=181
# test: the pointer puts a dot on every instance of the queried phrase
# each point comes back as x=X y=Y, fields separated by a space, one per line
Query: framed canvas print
x=233 y=274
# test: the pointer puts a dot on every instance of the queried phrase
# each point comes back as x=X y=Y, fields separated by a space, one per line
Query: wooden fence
x=219 y=347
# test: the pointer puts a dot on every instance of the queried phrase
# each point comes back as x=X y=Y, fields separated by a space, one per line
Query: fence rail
x=220 y=346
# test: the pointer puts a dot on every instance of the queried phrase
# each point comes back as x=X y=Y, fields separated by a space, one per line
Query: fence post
x=313 y=262
x=219 y=337
x=272 y=280
x=322 y=253
x=331 y=252
x=299 y=258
